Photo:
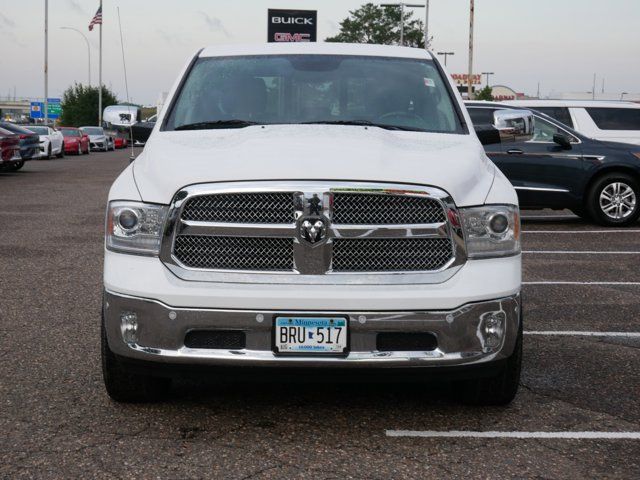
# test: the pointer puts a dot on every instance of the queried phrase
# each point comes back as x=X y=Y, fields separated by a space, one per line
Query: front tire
x=125 y=386
x=613 y=199
x=61 y=153
x=49 y=153
x=499 y=390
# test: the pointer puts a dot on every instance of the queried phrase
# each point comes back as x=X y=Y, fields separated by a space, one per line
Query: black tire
x=125 y=386
x=607 y=184
x=14 y=167
x=49 y=152
x=61 y=154
x=499 y=390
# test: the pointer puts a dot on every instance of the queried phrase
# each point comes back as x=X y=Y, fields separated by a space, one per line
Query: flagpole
x=100 y=76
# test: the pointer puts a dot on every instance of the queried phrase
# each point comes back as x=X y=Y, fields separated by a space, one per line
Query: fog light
x=491 y=330
x=129 y=327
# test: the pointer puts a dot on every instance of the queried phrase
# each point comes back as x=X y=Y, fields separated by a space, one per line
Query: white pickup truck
x=324 y=208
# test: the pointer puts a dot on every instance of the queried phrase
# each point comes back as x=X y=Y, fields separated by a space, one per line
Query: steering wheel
x=400 y=114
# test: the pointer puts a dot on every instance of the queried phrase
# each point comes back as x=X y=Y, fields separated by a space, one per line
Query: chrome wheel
x=617 y=200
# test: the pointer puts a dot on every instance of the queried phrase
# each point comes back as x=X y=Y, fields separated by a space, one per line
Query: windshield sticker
x=428 y=82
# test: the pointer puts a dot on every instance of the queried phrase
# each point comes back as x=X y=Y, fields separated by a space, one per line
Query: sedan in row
x=29 y=145
x=560 y=168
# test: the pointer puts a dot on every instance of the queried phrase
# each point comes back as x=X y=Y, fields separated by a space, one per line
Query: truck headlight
x=135 y=227
x=491 y=230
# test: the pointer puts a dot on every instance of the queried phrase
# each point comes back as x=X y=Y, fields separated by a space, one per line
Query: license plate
x=311 y=334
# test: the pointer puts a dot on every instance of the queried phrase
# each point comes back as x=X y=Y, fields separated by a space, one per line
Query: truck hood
x=172 y=160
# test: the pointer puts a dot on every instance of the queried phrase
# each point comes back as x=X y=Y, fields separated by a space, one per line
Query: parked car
x=29 y=141
x=120 y=141
x=99 y=140
x=320 y=207
x=75 y=140
x=51 y=141
x=607 y=121
x=562 y=168
x=10 y=159
x=142 y=130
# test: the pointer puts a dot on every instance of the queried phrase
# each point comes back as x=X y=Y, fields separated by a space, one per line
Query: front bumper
x=162 y=329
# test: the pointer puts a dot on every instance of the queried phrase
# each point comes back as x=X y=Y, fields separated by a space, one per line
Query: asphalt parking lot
x=56 y=420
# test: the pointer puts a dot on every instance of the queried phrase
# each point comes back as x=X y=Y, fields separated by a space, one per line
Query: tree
x=484 y=94
x=80 y=104
x=381 y=25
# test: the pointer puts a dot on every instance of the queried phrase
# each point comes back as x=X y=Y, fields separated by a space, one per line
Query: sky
x=559 y=43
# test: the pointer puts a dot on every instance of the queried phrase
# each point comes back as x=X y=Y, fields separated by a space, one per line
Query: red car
x=75 y=141
x=120 y=142
x=10 y=159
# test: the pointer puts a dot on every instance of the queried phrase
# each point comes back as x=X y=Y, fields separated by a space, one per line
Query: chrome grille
x=380 y=209
x=263 y=207
x=397 y=254
x=234 y=253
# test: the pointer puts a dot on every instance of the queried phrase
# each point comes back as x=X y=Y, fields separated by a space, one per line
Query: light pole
x=410 y=5
x=470 y=77
x=446 y=54
x=46 y=62
x=88 y=47
x=487 y=74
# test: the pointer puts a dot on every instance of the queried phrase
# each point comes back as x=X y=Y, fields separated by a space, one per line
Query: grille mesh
x=234 y=253
x=376 y=209
x=263 y=207
x=381 y=255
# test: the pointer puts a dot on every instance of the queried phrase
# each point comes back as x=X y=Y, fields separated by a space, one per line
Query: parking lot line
x=590 y=435
x=580 y=252
x=571 y=232
x=577 y=333
x=551 y=282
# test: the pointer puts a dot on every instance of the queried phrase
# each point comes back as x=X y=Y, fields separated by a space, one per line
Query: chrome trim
x=312 y=262
x=162 y=329
x=540 y=189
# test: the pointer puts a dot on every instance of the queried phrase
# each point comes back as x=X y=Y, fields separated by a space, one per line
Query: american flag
x=97 y=19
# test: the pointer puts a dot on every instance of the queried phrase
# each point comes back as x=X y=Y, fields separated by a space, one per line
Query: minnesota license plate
x=311 y=334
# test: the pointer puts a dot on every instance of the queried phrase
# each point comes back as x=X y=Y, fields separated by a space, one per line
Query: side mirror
x=514 y=125
x=562 y=140
x=487 y=134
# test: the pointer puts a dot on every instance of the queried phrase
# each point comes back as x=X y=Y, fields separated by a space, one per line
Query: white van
x=608 y=121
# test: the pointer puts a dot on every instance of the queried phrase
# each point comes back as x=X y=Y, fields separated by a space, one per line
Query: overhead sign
x=293 y=25
x=463 y=78
x=55 y=109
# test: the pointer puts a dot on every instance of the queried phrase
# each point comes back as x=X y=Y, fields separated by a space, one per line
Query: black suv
x=560 y=168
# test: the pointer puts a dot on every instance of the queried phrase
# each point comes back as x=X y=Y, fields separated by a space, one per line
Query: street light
x=411 y=5
x=487 y=74
x=88 y=47
x=446 y=54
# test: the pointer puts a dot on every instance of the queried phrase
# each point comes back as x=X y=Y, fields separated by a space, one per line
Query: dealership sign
x=292 y=25
x=463 y=78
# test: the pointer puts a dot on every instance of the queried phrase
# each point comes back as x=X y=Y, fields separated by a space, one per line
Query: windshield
x=291 y=89
x=40 y=130
x=93 y=130
x=70 y=132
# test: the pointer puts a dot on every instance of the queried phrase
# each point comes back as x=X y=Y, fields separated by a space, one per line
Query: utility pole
x=602 y=84
x=88 y=47
x=593 y=90
x=446 y=54
x=426 y=28
x=100 y=74
x=470 y=76
x=46 y=62
x=487 y=74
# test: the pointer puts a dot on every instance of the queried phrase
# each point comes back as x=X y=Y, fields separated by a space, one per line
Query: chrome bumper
x=162 y=329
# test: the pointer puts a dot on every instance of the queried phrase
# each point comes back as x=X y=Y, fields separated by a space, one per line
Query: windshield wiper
x=211 y=125
x=364 y=123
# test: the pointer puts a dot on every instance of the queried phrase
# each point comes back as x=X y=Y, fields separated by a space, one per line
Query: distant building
x=628 y=97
